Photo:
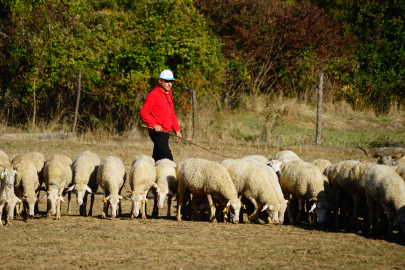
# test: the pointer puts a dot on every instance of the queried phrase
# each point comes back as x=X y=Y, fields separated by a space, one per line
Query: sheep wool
x=206 y=178
x=57 y=175
x=26 y=183
x=141 y=178
x=111 y=178
x=252 y=180
x=304 y=180
x=166 y=182
x=84 y=172
x=386 y=189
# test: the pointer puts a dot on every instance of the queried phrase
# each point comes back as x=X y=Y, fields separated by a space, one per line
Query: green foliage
x=379 y=27
x=120 y=54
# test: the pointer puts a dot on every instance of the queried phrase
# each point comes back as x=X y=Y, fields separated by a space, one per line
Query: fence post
x=194 y=104
x=318 y=140
x=79 y=86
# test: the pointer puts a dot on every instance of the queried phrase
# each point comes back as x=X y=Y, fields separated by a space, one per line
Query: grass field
x=93 y=243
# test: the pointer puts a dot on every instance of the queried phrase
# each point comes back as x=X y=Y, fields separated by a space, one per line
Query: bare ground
x=93 y=243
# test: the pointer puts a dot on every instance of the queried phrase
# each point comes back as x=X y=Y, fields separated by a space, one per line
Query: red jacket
x=158 y=110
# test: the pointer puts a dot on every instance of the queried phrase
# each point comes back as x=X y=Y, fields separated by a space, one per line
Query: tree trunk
x=194 y=94
x=79 y=86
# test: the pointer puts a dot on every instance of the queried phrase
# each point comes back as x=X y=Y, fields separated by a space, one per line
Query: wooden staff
x=171 y=133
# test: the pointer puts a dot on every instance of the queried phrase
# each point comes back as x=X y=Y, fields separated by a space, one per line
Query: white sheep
x=258 y=183
x=286 y=156
x=338 y=179
x=26 y=183
x=385 y=190
x=141 y=178
x=260 y=158
x=111 y=178
x=304 y=180
x=357 y=180
x=7 y=196
x=401 y=171
x=206 y=178
x=166 y=182
x=84 y=171
x=57 y=175
x=4 y=161
x=322 y=164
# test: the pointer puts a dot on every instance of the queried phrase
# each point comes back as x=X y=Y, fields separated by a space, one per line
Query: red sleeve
x=146 y=110
x=175 y=123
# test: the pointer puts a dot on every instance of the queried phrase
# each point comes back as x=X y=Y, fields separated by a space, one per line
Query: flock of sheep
x=320 y=188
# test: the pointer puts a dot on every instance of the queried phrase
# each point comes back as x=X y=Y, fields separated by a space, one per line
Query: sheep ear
x=313 y=199
x=287 y=201
x=312 y=208
x=61 y=198
x=88 y=189
x=44 y=196
x=108 y=197
x=265 y=207
x=228 y=204
x=171 y=193
x=71 y=188
x=120 y=197
x=155 y=185
x=18 y=199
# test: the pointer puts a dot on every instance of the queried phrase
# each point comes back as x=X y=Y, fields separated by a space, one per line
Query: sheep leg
x=48 y=208
x=1 y=213
x=119 y=209
x=105 y=209
x=69 y=212
x=58 y=210
x=372 y=215
x=181 y=192
x=300 y=209
x=254 y=215
x=336 y=210
x=169 y=204
x=195 y=217
x=155 y=211
x=91 y=205
x=26 y=209
x=379 y=220
x=212 y=208
x=355 y=217
x=143 y=209
x=84 y=214
x=390 y=220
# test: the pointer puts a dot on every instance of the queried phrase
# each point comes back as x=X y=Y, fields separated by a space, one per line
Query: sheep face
x=276 y=165
x=80 y=192
x=114 y=200
x=320 y=210
x=162 y=194
x=53 y=198
x=235 y=209
x=386 y=160
x=137 y=203
x=272 y=214
x=31 y=200
x=9 y=177
x=10 y=208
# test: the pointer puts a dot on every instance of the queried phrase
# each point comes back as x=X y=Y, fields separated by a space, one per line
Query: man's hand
x=158 y=128
x=178 y=134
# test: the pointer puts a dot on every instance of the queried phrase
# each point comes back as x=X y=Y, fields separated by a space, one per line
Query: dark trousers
x=161 y=148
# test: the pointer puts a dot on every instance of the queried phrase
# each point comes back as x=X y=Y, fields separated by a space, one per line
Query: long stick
x=171 y=133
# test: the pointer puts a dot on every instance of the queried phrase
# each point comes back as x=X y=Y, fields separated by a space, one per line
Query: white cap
x=166 y=75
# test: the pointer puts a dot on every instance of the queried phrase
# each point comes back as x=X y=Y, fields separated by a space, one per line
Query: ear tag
x=244 y=206
x=2 y=176
x=154 y=185
x=225 y=209
x=146 y=200
x=105 y=200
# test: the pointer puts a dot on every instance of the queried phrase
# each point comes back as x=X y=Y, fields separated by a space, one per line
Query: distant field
x=92 y=243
